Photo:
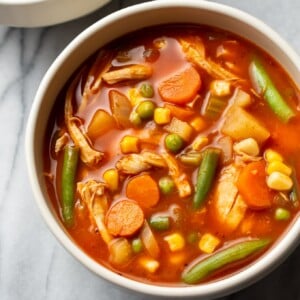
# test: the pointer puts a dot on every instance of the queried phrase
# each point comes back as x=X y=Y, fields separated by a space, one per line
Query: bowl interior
x=104 y=31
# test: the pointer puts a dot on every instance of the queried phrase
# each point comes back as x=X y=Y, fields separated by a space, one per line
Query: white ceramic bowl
x=102 y=32
x=34 y=13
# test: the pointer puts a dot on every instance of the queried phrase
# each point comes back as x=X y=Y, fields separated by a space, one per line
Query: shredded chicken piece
x=195 y=53
x=137 y=163
x=94 y=77
x=61 y=142
x=134 y=72
x=87 y=154
x=180 y=178
x=228 y=204
x=95 y=197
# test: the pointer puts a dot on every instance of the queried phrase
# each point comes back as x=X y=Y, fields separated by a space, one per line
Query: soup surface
x=171 y=154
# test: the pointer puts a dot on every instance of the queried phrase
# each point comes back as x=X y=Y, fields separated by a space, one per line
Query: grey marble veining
x=33 y=265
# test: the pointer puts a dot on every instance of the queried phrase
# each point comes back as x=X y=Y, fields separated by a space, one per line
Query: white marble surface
x=33 y=265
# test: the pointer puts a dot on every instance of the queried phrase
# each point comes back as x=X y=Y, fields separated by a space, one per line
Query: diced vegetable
x=208 y=243
x=213 y=106
x=149 y=240
x=198 y=123
x=282 y=214
x=182 y=113
x=162 y=115
x=175 y=241
x=183 y=129
x=192 y=158
x=174 y=142
x=137 y=245
x=101 y=123
x=278 y=166
x=135 y=119
x=247 y=146
x=69 y=168
x=111 y=178
x=264 y=85
x=124 y=218
x=150 y=264
x=145 y=110
x=241 y=98
x=120 y=107
x=206 y=175
x=200 y=142
x=146 y=90
x=166 y=185
x=159 y=222
x=129 y=144
x=220 y=88
x=144 y=190
x=259 y=195
x=222 y=258
x=120 y=251
x=181 y=87
x=279 y=182
x=226 y=144
x=240 y=125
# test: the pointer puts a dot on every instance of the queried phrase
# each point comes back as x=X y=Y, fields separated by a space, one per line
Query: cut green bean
x=206 y=175
x=70 y=161
x=266 y=87
x=159 y=223
x=191 y=158
x=216 y=261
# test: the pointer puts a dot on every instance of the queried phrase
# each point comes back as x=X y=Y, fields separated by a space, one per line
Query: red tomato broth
x=86 y=234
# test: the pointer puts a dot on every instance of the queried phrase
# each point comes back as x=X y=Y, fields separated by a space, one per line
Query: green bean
x=295 y=193
x=70 y=161
x=174 y=142
x=206 y=174
x=216 y=261
x=270 y=93
x=159 y=223
x=166 y=185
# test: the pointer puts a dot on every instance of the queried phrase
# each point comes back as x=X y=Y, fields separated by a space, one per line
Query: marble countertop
x=33 y=264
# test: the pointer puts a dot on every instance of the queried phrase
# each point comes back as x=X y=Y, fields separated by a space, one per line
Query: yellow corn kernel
x=279 y=182
x=199 y=143
x=134 y=96
x=271 y=155
x=220 y=88
x=279 y=167
x=150 y=264
x=247 y=146
x=111 y=178
x=208 y=243
x=162 y=115
x=129 y=144
x=175 y=241
x=198 y=123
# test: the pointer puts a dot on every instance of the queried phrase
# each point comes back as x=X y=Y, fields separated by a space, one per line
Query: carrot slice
x=252 y=186
x=180 y=112
x=144 y=190
x=124 y=218
x=181 y=87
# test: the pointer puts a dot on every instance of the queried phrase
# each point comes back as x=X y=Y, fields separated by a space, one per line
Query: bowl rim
x=234 y=282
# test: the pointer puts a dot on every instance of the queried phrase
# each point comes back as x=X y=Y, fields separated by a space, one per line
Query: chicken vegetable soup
x=171 y=155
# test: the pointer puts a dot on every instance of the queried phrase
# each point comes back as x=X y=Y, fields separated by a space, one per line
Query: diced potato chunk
x=120 y=251
x=242 y=98
x=183 y=129
x=129 y=144
x=175 y=241
x=240 y=125
x=162 y=115
x=101 y=122
x=148 y=263
x=208 y=243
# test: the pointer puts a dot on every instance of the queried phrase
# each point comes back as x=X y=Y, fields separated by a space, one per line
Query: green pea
x=282 y=214
x=166 y=185
x=174 y=142
x=135 y=119
x=145 y=110
x=137 y=245
x=146 y=90
x=159 y=223
x=192 y=237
